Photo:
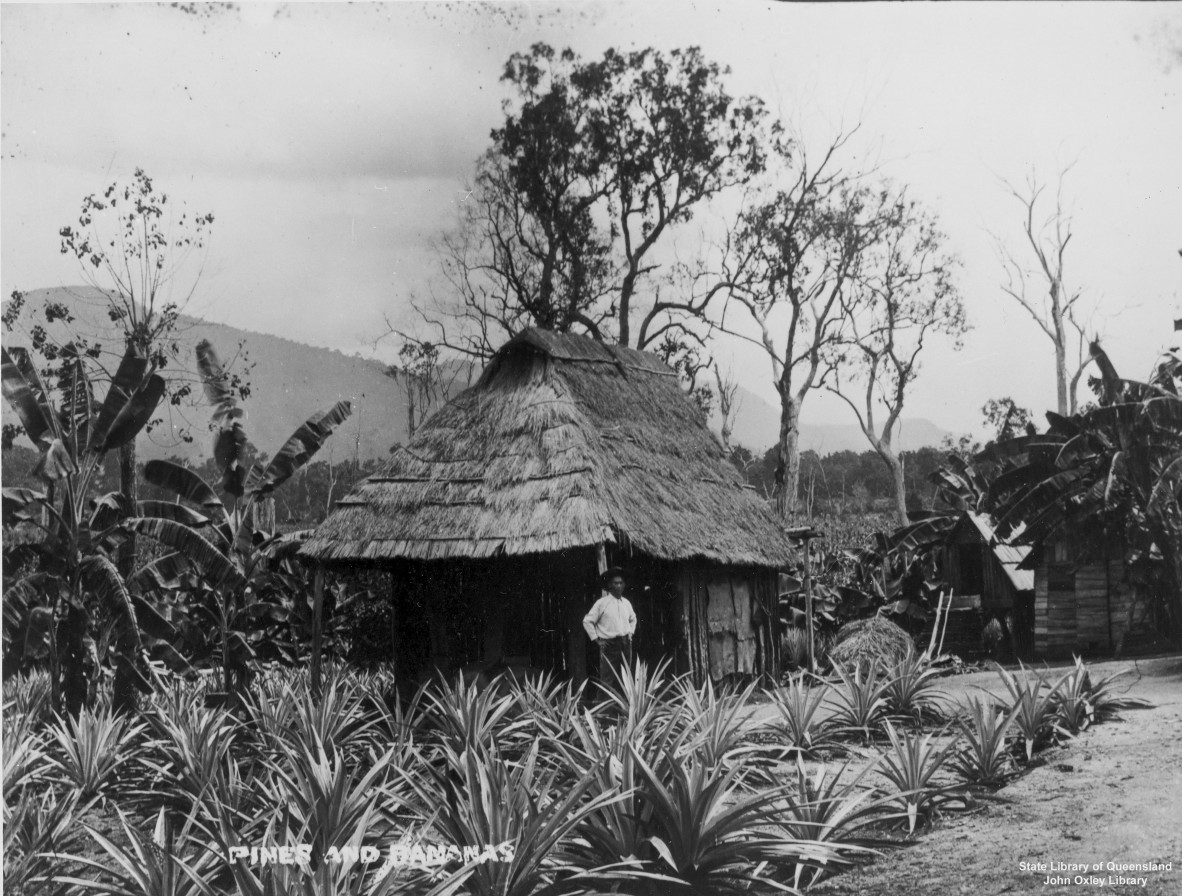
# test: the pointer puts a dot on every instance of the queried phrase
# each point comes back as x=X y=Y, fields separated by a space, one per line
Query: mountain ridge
x=291 y=380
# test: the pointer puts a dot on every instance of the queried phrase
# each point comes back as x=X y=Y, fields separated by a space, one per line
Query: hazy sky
x=332 y=142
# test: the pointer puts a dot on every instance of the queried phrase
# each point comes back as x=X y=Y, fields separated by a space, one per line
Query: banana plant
x=1115 y=469
x=249 y=573
x=68 y=580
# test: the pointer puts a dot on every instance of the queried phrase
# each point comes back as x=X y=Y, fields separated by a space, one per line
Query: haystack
x=568 y=455
x=865 y=641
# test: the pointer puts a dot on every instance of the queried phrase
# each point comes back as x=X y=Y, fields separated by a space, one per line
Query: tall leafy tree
x=575 y=206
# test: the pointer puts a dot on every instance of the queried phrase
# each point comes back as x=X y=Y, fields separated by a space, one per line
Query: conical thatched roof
x=564 y=442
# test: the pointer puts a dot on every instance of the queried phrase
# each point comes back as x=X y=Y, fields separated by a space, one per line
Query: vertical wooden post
x=808 y=607
x=317 y=628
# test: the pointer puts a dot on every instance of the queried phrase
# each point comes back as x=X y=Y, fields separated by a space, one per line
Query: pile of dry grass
x=863 y=641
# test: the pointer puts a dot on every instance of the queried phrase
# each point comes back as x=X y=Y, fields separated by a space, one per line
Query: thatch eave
x=564 y=443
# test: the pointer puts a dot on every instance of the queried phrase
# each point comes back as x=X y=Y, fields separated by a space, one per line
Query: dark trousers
x=614 y=654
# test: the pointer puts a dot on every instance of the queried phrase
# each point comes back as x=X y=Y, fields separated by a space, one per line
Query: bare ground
x=1113 y=794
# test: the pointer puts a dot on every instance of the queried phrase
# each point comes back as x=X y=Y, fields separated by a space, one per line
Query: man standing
x=611 y=624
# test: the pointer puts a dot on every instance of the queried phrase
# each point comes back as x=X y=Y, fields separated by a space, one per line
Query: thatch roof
x=564 y=442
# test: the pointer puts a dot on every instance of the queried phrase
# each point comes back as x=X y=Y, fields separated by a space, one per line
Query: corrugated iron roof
x=1010 y=555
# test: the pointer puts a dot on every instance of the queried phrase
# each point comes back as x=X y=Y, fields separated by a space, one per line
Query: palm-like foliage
x=860 y=703
x=1034 y=703
x=910 y=765
x=39 y=832
x=246 y=574
x=146 y=866
x=985 y=757
x=72 y=578
x=796 y=721
x=1113 y=470
x=714 y=837
x=910 y=691
x=480 y=799
x=826 y=809
x=87 y=750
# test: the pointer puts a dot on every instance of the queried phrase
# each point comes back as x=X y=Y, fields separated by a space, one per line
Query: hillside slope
x=289 y=382
x=757 y=426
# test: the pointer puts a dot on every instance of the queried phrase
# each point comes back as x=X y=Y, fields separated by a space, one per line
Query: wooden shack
x=988 y=576
x=1081 y=597
x=567 y=456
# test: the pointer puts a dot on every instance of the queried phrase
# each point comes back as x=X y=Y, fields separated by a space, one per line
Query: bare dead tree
x=728 y=403
x=904 y=295
x=798 y=256
x=1035 y=278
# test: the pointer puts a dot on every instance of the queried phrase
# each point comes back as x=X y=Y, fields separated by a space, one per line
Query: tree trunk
x=129 y=487
x=896 y=467
x=72 y=661
x=1060 y=340
x=788 y=457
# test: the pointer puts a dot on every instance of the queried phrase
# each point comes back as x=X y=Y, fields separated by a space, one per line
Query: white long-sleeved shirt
x=611 y=617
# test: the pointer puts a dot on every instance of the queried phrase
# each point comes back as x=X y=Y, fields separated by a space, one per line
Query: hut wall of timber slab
x=1082 y=598
x=567 y=456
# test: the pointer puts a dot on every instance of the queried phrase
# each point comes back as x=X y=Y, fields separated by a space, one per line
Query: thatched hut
x=567 y=456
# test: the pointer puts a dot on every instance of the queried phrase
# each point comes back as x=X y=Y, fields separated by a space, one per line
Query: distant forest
x=844 y=482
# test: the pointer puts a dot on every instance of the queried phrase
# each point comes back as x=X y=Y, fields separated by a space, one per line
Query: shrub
x=86 y=751
x=910 y=691
x=712 y=837
x=826 y=810
x=796 y=708
x=860 y=702
x=1034 y=703
x=911 y=765
x=985 y=757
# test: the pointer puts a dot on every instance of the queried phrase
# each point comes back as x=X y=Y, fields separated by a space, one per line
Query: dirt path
x=1114 y=794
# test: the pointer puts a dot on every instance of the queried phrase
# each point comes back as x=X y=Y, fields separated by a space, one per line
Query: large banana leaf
x=302 y=445
x=162 y=573
x=1023 y=447
x=213 y=378
x=77 y=405
x=1015 y=480
x=170 y=510
x=102 y=579
x=1167 y=492
x=184 y=482
x=213 y=565
x=1165 y=413
x=229 y=441
x=25 y=394
x=229 y=447
x=22 y=504
x=918 y=535
x=135 y=414
x=128 y=379
x=1168 y=371
x=1115 y=420
x=56 y=463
